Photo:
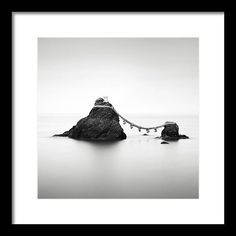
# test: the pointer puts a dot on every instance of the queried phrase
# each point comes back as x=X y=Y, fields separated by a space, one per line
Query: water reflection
x=137 y=167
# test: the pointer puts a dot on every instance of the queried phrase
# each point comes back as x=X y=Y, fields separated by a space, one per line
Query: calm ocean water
x=138 y=167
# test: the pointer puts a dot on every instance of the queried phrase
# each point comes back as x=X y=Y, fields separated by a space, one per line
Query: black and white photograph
x=118 y=117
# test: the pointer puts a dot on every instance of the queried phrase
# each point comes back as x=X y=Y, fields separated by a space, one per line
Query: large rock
x=171 y=132
x=102 y=124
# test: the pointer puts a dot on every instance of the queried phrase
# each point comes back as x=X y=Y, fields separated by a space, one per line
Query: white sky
x=139 y=75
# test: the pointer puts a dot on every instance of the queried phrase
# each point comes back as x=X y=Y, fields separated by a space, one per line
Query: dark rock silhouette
x=164 y=142
x=171 y=132
x=102 y=124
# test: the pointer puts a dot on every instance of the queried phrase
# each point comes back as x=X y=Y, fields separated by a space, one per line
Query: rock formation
x=171 y=132
x=102 y=124
x=164 y=142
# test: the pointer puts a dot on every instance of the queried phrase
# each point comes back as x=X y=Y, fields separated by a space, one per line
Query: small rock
x=164 y=142
x=145 y=134
x=171 y=132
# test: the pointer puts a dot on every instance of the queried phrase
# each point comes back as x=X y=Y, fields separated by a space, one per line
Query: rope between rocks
x=131 y=123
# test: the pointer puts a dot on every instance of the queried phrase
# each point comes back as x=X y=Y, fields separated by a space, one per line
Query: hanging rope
x=134 y=125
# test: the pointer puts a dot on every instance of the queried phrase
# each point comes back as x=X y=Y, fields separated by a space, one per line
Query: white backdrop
x=209 y=208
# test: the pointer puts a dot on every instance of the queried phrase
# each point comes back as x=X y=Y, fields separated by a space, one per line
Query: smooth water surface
x=138 y=167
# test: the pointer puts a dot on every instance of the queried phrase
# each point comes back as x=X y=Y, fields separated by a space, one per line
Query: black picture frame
x=8 y=135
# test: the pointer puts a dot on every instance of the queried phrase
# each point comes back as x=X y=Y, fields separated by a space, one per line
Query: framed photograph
x=115 y=118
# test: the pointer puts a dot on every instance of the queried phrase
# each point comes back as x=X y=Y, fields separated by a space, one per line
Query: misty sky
x=139 y=75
